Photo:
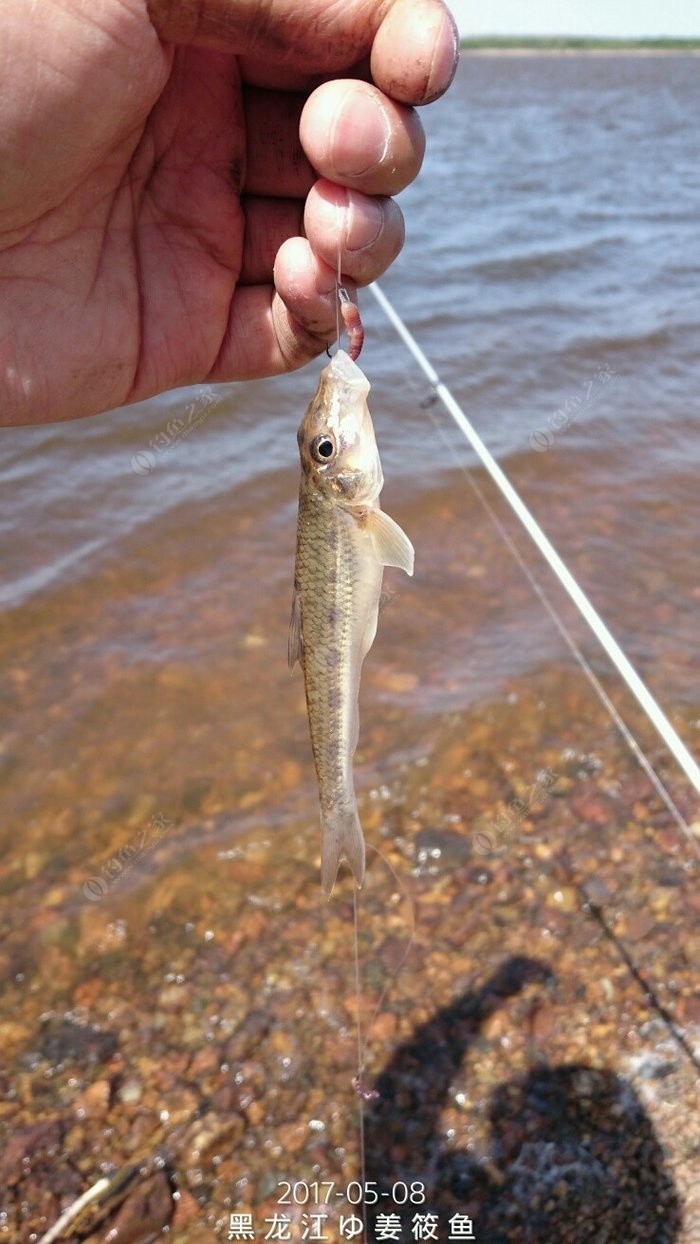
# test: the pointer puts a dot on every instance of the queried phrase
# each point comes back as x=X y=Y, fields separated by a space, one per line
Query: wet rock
x=144 y=1213
x=130 y=1092
x=592 y=807
x=93 y=1102
x=227 y=1099
x=36 y=1139
x=638 y=925
x=597 y=890
x=384 y=1027
x=187 y=1211
x=87 y=993
x=214 y=1133
x=293 y=1136
x=443 y=847
x=564 y=899
x=543 y=1021
x=64 y=1040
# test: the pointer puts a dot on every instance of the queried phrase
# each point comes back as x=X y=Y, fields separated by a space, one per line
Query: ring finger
x=366 y=233
x=360 y=233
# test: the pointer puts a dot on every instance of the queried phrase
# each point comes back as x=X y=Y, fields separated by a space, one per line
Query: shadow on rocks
x=572 y=1154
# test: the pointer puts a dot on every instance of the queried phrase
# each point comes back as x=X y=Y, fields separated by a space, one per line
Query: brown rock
x=543 y=1021
x=93 y=1102
x=688 y=1009
x=226 y=1098
x=593 y=807
x=14 y=1162
x=205 y=1061
x=497 y=1024
x=638 y=926
x=292 y=1136
x=564 y=899
x=214 y=1134
x=384 y=1027
x=186 y=1209
x=145 y=1212
x=87 y=993
x=255 y=1113
x=13 y=1035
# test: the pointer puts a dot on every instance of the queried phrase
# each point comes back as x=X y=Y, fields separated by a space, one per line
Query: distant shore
x=572 y=46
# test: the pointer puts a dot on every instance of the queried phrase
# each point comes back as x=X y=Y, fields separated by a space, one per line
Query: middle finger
x=356 y=136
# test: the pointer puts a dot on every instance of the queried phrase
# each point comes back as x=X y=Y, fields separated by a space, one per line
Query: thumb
x=412 y=44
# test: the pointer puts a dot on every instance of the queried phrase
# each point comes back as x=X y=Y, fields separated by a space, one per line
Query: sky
x=630 y=18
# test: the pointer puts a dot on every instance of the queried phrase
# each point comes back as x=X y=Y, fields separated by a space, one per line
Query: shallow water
x=552 y=254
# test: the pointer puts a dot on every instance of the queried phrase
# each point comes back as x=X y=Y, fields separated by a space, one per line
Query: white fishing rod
x=607 y=640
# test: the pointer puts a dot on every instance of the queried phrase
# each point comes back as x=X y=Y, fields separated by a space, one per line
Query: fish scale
x=326 y=569
x=344 y=540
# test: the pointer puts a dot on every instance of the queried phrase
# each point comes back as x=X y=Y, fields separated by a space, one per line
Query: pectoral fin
x=391 y=545
x=295 y=647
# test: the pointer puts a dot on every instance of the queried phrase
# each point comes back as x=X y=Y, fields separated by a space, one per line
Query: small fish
x=343 y=542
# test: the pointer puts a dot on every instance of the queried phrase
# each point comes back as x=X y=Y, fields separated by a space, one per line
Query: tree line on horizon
x=576 y=43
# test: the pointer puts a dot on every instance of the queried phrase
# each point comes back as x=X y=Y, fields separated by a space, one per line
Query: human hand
x=178 y=177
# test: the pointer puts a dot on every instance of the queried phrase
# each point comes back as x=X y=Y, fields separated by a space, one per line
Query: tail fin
x=342 y=839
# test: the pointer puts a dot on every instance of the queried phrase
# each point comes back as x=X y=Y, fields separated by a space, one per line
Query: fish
x=344 y=541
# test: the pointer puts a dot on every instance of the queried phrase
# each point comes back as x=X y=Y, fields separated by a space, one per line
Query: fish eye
x=322 y=447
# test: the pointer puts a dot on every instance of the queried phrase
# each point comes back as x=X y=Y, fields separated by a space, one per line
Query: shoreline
x=545 y=51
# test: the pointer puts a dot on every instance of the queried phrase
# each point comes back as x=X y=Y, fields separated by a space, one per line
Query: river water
x=551 y=274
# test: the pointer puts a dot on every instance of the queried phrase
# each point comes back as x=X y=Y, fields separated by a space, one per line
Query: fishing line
x=368 y=1095
x=361 y=1102
x=624 y=667
x=338 y=284
x=362 y=1048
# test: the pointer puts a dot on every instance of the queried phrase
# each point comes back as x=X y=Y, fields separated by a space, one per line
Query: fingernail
x=445 y=59
x=360 y=137
x=365 y=221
